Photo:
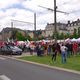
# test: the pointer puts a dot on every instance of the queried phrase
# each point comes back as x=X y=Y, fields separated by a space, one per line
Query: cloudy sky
x=23 y=10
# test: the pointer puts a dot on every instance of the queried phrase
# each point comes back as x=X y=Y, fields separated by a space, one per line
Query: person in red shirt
x=75 y=48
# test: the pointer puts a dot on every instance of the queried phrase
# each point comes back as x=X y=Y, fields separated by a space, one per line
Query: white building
x=62 y=28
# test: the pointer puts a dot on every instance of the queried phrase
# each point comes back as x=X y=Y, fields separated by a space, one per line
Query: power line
x=53 y=10
x=21 y=21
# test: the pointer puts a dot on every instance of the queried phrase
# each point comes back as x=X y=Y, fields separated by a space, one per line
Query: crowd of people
x=65 y=49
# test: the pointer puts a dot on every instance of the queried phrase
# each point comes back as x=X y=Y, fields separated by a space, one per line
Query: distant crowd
x=65 y=49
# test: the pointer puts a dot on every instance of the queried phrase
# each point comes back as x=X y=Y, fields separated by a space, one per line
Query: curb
x=44 y=65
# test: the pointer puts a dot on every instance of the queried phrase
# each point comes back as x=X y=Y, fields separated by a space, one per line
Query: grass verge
x=73 y=62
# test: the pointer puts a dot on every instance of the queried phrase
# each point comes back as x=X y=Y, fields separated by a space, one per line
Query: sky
x=23 y=10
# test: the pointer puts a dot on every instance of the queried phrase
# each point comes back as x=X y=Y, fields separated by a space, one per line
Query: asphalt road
x=17 y=70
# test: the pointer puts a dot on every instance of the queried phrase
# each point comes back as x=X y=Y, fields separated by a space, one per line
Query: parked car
x=10 y=50
x=16 y=50
x=5 y=50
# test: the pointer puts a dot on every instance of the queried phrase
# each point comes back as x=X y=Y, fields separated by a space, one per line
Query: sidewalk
x=25 y=54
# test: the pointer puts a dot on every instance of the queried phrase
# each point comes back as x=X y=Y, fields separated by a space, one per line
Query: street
x=17 y=70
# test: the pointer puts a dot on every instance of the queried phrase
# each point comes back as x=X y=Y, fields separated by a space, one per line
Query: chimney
x=69 y=24
x=78 y=20
x=73 y=23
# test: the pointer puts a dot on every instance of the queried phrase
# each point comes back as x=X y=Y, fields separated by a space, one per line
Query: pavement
x=44 y=65
x=14 y=69
x=24 y=54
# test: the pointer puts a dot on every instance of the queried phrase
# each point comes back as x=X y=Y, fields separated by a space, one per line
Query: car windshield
x=14 y=47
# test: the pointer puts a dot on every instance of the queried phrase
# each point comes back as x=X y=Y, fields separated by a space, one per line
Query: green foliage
x=79 y=32
x=37 y=35
x=58 y=35
x=61 y=36
x=41 y=38
x=20 y=37
x=28 y=37
x=75 y=35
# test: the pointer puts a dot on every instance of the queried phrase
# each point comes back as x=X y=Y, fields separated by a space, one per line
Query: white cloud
x=7 y=3
x=7 y=13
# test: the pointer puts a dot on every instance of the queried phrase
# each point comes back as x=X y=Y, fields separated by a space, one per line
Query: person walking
x=54 y=49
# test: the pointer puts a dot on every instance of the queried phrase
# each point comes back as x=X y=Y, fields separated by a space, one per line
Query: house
x=60 y=27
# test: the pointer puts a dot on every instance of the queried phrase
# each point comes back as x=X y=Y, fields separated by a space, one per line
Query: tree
x=27 y=37
x=37 y=35
x=61 y=36
x=75 y=35
x=78 y=31
x=20 y=37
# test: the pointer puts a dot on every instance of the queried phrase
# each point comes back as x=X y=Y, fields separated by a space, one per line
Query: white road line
x=3 y=77
x=2 y=58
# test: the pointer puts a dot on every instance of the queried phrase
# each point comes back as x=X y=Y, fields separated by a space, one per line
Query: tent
x=74 y=40
x=67 y=40
x=78 y=40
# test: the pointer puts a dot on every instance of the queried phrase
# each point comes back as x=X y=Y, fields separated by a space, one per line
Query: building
x=6 y=33
x=39 y=33
x=61 y=27
x=73 y=25
x=47 y=33
x=0 y=36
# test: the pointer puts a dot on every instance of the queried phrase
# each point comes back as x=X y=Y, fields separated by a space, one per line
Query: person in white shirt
x=63 y=53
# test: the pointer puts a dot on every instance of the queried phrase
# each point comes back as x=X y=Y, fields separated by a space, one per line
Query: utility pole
x=55 y=27
x=35 y=21
x=55 y=21
x=30 y=23
x=12 y=30
x=11 y=24
x=35 y=26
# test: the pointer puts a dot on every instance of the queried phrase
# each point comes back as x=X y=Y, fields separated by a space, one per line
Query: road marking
x=3 y=77
x=2 y=58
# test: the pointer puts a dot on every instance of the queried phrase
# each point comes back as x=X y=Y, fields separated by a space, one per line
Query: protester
x=75 y=48
x=54 y=49
x=69 y=49
x=63 y=53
